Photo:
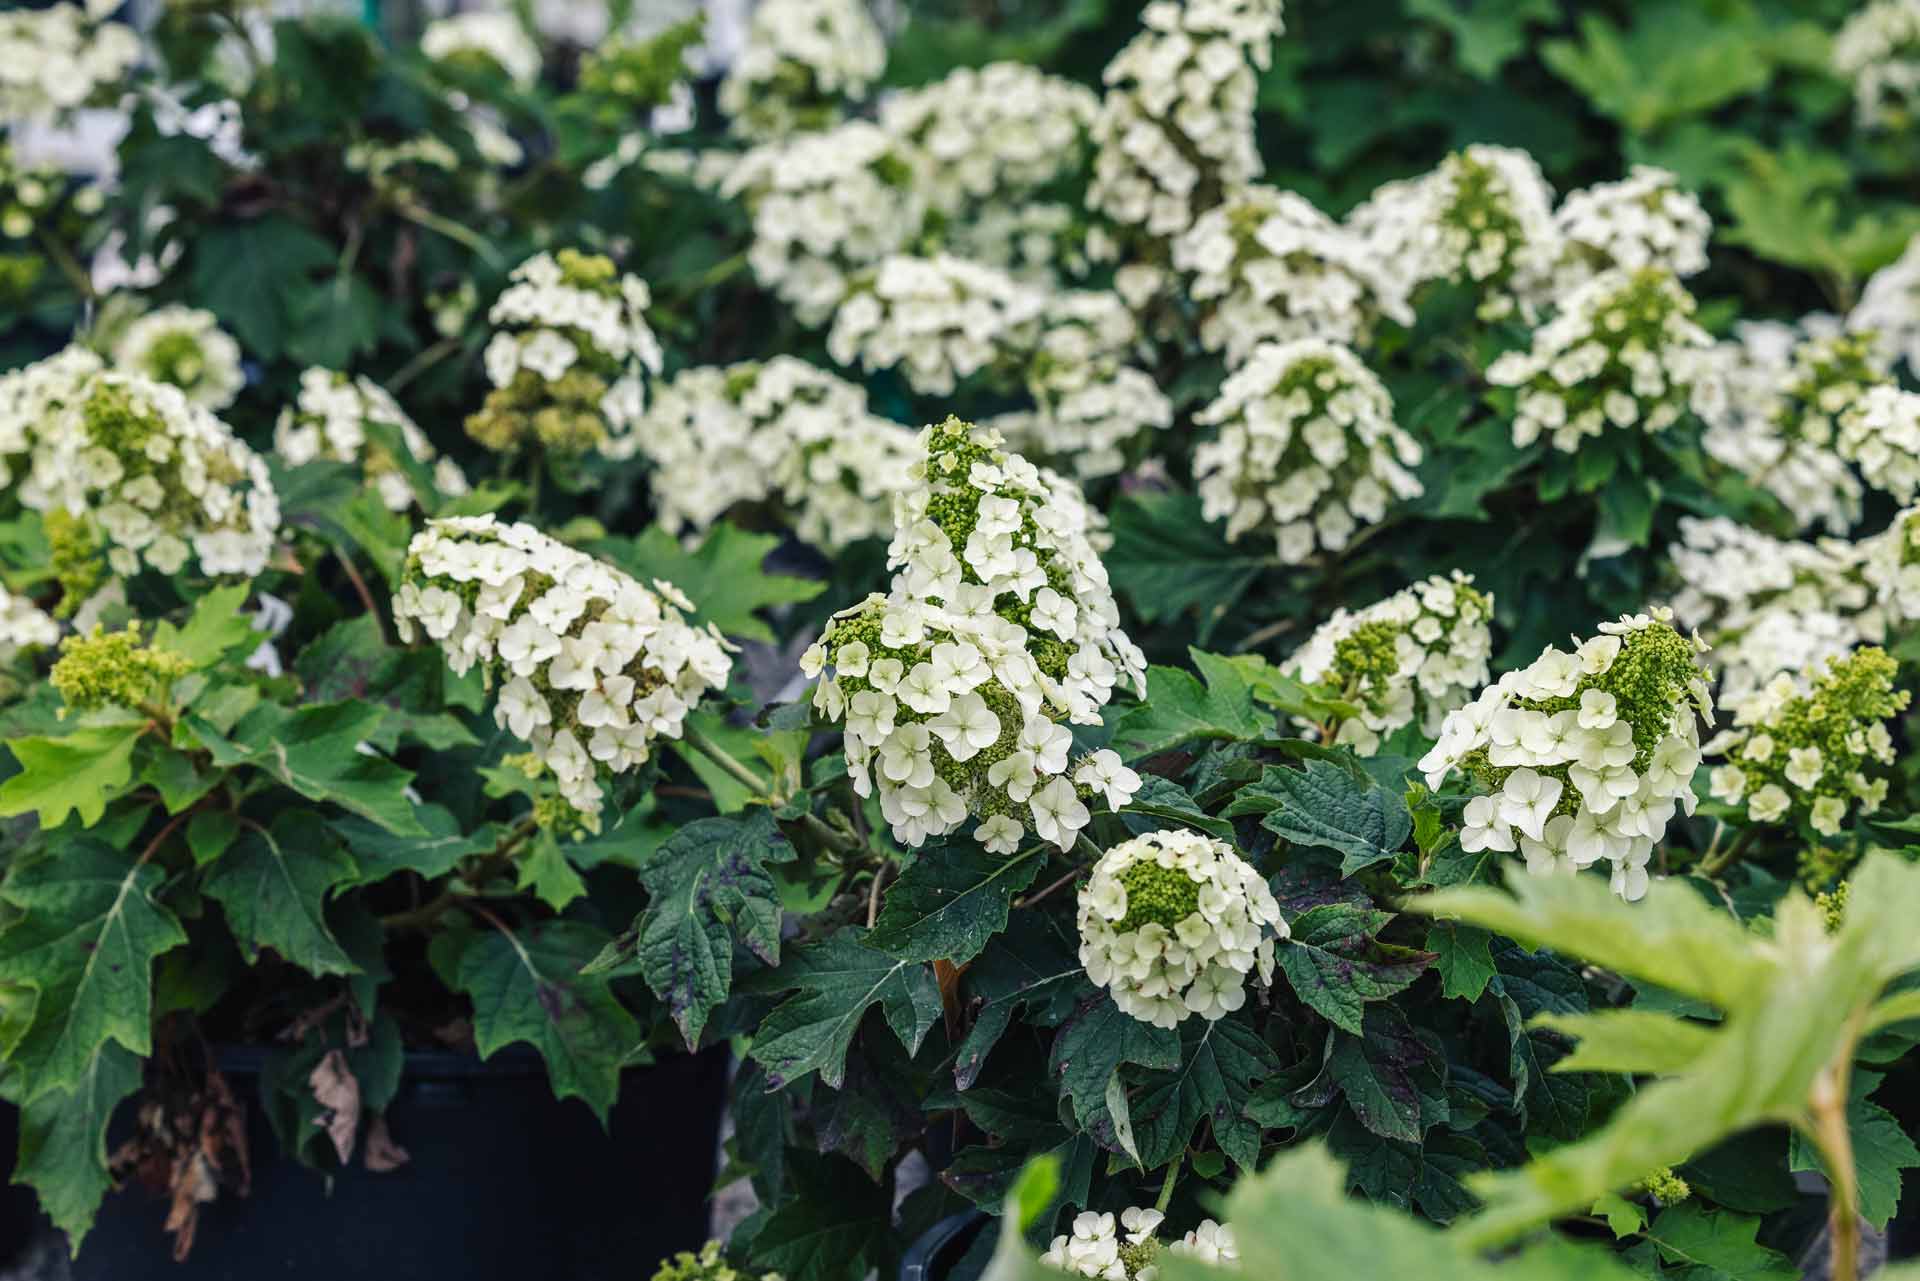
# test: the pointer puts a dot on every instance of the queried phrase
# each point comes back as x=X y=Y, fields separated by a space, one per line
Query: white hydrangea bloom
x=569 y=356
x=782 y=428
x=1583 y=756
x=37 y=394
x=1889 y=308
x=1644 y=220
x=328 y=420
x=1880 y=434
x=1740 y=399
x=1483 y=217
x=1175 y=129
x=1815 y=747
x=941 y=319
x=1307 y=449
x=802 y=59
x=1410 y=658
x=1266 y=265
x=1622 y=351
x=592 y=666
x=186 y=347
x=1878 y=49
x=825 y=206
x=1209 y=1243
x=1038 y=242
x=1089 y=400
x=61 y=57
x=158 y=479
x=1890 y=565
x=1768 y=605
x=1125 y=1248
x=991 y=134
x=496 y=37
x=23 y=625
x=1172 y=922
x=1000 y=624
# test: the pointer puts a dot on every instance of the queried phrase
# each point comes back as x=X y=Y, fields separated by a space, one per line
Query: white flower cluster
x=1172 y=922
x=1412 y=657
x=1889 y=308
x=593 y=666
x=1125 y=1250
x=1890 y=565
x=1175 y=129
x=1307 y=449
x=329 y=420
x=23 y=625
x=1039 y=242
x=1879 y=51
x=1583 y=756
x=1768 y=605
x=1806 y=746
x=1089 y=400
x=491 y=37
x=156 y=476
x=746 y=433
x=185 y=347
x=1880 y=434
x=568 y=357
x=1622 y=351
x=801 y=60
x=1267 y=266
x=940 y=318
x=60 y=57
x=1740 y=399
x=1645 y=220
x=1484 y=217
x=997 y=133
x=1000 y=624
x=825 y=206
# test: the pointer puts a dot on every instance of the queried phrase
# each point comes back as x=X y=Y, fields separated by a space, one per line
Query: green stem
x=454 y=231
x=426 y=360
x=69 y=265
x=725 y=760
x=1714 y=864
x=1166 y=1187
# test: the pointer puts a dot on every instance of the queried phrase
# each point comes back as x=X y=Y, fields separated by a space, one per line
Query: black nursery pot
x=504 y=1182
x=954 y=1249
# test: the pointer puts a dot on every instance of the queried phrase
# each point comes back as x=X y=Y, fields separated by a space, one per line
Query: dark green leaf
x=835 y=981
x=274 y=887
x=1334 y=964
x=949 y=901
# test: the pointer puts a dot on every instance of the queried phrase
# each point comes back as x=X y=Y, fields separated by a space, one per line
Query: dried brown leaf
x=381 y=1153
x=336 y=1088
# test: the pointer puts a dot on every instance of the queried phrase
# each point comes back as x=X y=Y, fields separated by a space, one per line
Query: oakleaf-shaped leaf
x=75 y=773
x=1179 y=709
x=835 y=981
x=1092 y=1045
x=1220 y=1063
x=315 y=751
x=63 y=1140
x=949 y=901
x=1336 y=967
x=723 y=575
x=1324 y=805
x=1031 y=966
x=274 y=886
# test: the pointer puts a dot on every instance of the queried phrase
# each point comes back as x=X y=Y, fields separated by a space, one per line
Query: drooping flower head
x=1583 y=756
x=1812 y=754
x=136 y=469
x=186 y=348
x=781 y=429
x=1171 y=923
x=1410 y=658
x=568 y=358
x=1879 y=51
x=1308 y=451
x=592 y=666
x=489 y=41
x=802 y=61
x=1622 y=352
x=329 y=419
x=1000 y=625
x=1644 y=220
x=1268 y=266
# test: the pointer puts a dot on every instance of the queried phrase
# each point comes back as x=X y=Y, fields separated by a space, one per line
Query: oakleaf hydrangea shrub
x=592 y=667
x=1406 y=660
x=1583 y=756
x=568 y=358
x=329 y=418
x=1126 y=1247
x=1171 y=923
x=1804 y=754
x=1307 y=451
x=1000 y=625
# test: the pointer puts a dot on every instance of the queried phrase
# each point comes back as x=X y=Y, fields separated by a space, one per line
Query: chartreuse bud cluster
x=1483 y=217
x=1307 y=452
x=593 y=666
x=120 y=461
x=568 y=358
x=183 y=347
x=329 y=420
x=802 y=60
x=113 y=669
x=1414 y=656
x=1172 y=922
x=1878 y=50
x=780 y=429
x=1128 y=1248
x=1267 y=266
x=1622 y=351
x=1806 y=756
x=1000 y=624
x=1583 y=756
